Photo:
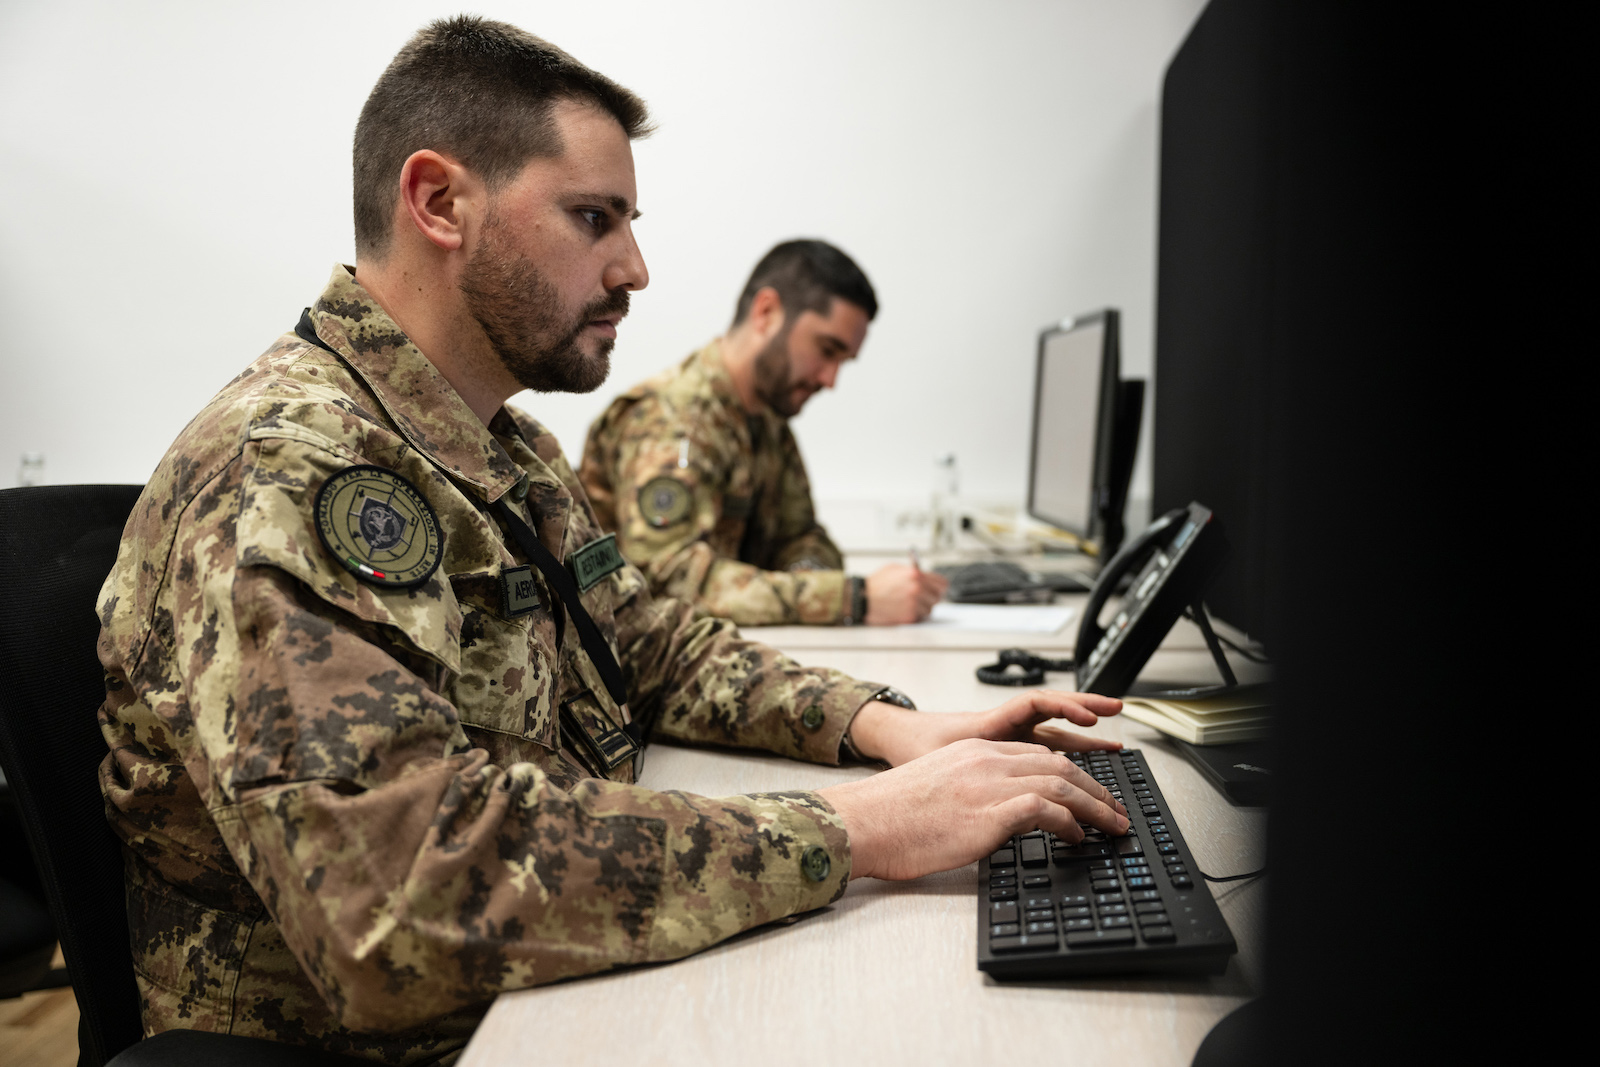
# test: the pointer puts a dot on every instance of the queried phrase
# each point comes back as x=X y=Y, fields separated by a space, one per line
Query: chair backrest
x=57 y=544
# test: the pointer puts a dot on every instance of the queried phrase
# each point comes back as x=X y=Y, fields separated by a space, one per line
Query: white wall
x=176 y=188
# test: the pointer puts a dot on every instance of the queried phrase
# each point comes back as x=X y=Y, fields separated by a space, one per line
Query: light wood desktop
x=888 y=975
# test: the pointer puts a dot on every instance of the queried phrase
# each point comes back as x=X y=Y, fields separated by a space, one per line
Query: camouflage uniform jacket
x=352 y=813
x=712 y=503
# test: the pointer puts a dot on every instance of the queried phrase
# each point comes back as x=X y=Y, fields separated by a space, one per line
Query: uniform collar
x=716 y=375
x=424 y=406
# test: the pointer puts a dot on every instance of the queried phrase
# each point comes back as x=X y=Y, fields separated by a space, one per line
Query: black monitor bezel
x=1105 y=420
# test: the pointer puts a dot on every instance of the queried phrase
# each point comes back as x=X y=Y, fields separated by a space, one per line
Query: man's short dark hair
x=480 y=92
x=807 y=275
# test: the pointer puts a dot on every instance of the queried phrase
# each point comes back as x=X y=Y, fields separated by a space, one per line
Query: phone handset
x=1105 y=587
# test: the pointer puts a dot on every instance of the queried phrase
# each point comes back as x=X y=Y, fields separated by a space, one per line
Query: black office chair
x=57 y=544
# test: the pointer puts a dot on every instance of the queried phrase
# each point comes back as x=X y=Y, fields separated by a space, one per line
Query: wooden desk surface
x=888 y=973
x=794 y=639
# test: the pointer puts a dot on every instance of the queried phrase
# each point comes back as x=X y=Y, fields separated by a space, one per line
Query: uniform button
x=813 y=716
x=519 y=492
x=815 y=864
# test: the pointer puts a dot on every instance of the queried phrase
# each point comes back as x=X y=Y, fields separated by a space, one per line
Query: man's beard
x=520 y=313
x=772 y=383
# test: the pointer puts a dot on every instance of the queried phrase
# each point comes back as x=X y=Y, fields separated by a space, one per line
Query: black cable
x=1232 y=877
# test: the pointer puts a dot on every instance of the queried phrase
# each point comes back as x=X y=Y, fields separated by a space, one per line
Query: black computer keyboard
x=1004 y=582
x=1110 y=905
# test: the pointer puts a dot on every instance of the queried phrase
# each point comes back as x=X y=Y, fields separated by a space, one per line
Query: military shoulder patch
x=594 y=561
x=665 y=501
x=379 y=527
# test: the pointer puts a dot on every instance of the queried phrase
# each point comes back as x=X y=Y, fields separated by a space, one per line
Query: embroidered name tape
x=521 y=595
x=379 y=527
x=594 y=561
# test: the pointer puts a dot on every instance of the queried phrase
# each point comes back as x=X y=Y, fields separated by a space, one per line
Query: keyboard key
x=1073 y=900
x=1145 y=894
x=1033 y=852
x=1005 y=929
x=1104 y=885
x=1158 y=933
x=1001 y=881
x=1070 y=925
x=1103 y=899
x=1096 y=938
x=1128 y=846
x=1154 y=918
x=1045 y=926
x=1039 y=902
x=1112 y=922
x=1141 y=883
x=1036 y=881
x=1023 y=943
x=1149 y=907
x=1003 y=894
x=1078 y=913
x=1002 y=913
x=1004 y=857
x=1183 y=881
x=1039 y=914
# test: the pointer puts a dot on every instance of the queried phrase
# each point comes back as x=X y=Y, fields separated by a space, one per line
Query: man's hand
x=900 y=593
x=959 y=803
x=897 y=736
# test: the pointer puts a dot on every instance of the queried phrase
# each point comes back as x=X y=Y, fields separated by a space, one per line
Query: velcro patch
x=521 y=594
x=594 y=561
x=379 y=527
x=601 y=743
x=665 y=501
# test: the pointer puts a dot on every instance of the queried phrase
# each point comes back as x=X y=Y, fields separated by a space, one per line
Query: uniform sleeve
x=668 y=508
x=408 y=875
x=692 y=677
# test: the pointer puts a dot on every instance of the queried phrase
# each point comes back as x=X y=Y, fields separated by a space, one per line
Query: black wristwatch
x=857 y=594
x=889 y=695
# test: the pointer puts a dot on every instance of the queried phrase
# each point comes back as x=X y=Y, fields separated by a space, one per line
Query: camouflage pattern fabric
x=351 y=814
x=713 y=504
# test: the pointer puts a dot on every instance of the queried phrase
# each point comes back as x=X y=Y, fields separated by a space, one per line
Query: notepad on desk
x=1239 y=716
x=998 y=618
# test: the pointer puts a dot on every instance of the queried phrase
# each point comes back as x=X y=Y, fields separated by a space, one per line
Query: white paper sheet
x=999 y=618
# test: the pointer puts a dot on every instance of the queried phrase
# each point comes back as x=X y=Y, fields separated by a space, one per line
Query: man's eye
x=592 y=217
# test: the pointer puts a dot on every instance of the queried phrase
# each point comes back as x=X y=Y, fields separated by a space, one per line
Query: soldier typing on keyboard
x=377 y=681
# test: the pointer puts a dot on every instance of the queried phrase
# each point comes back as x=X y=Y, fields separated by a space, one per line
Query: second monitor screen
x=1065 y=426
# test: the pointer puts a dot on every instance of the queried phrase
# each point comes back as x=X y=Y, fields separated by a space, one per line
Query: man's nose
x=626 y=269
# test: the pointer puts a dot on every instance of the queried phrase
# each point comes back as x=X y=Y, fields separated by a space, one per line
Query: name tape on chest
x=665 y=501
x=594 y=561
x=379 y=527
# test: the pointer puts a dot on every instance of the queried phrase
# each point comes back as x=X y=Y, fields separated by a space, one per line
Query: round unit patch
x=379 y=526
x=664 y=501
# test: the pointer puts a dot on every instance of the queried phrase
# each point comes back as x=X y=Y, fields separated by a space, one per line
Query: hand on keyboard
x=896 y=736
x=960 y=802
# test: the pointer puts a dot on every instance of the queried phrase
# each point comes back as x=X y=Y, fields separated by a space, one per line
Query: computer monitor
x=1085 y=430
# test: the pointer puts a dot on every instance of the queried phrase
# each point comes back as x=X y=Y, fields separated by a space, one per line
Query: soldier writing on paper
x=377 y=681
x=699 y=475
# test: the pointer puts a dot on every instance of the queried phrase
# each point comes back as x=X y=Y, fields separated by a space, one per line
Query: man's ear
x=766 y=314
x=437 y=195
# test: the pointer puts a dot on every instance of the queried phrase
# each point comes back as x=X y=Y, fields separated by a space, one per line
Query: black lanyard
x=588 y=633
x=555 y=575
